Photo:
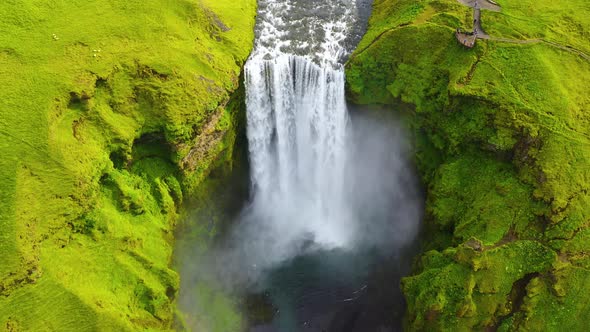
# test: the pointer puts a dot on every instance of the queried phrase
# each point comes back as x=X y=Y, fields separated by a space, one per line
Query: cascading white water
x=297 y=121
x=320 y=181
x=332 y=194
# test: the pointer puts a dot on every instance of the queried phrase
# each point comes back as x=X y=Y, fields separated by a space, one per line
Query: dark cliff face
x=112 y=114
x=501 y=141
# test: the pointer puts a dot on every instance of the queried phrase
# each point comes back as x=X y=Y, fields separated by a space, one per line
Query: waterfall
x=332 y=192
x=297 y=123
x=320 y=181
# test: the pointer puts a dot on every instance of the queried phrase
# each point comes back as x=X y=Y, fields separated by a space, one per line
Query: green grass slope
x=502 y=142
x=110 y=113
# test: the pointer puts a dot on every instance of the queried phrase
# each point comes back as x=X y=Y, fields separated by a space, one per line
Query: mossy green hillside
x=111 y=113
x=501 y=139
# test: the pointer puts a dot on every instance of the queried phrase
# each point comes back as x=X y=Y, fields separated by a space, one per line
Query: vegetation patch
x=101 y=102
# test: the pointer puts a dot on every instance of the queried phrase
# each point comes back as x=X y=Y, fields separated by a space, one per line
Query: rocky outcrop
x=501 y=141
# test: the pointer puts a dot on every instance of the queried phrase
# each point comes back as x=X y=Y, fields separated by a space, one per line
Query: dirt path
x=468 y=39
x=482 y=4
x=477 y=29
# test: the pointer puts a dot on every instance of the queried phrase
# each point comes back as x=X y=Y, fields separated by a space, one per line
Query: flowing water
x=298 y=121
x=316 y=213
x=333 y=199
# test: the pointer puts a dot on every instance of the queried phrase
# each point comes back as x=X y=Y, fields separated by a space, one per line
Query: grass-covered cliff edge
x=502 y=142
x=111 y=112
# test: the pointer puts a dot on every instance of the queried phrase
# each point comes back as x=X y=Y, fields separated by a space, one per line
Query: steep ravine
x=501 y=141
x=119 y=119
x=332 y=199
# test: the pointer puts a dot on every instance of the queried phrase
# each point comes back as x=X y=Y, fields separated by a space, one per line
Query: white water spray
x=297 y=126
x=310 y=190
x=297 y=122
x=328 y=188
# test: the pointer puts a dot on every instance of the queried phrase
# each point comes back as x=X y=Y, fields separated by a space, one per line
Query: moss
x=101 y=103
x=470 y=289
x=551 y=304
x=500 y=141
